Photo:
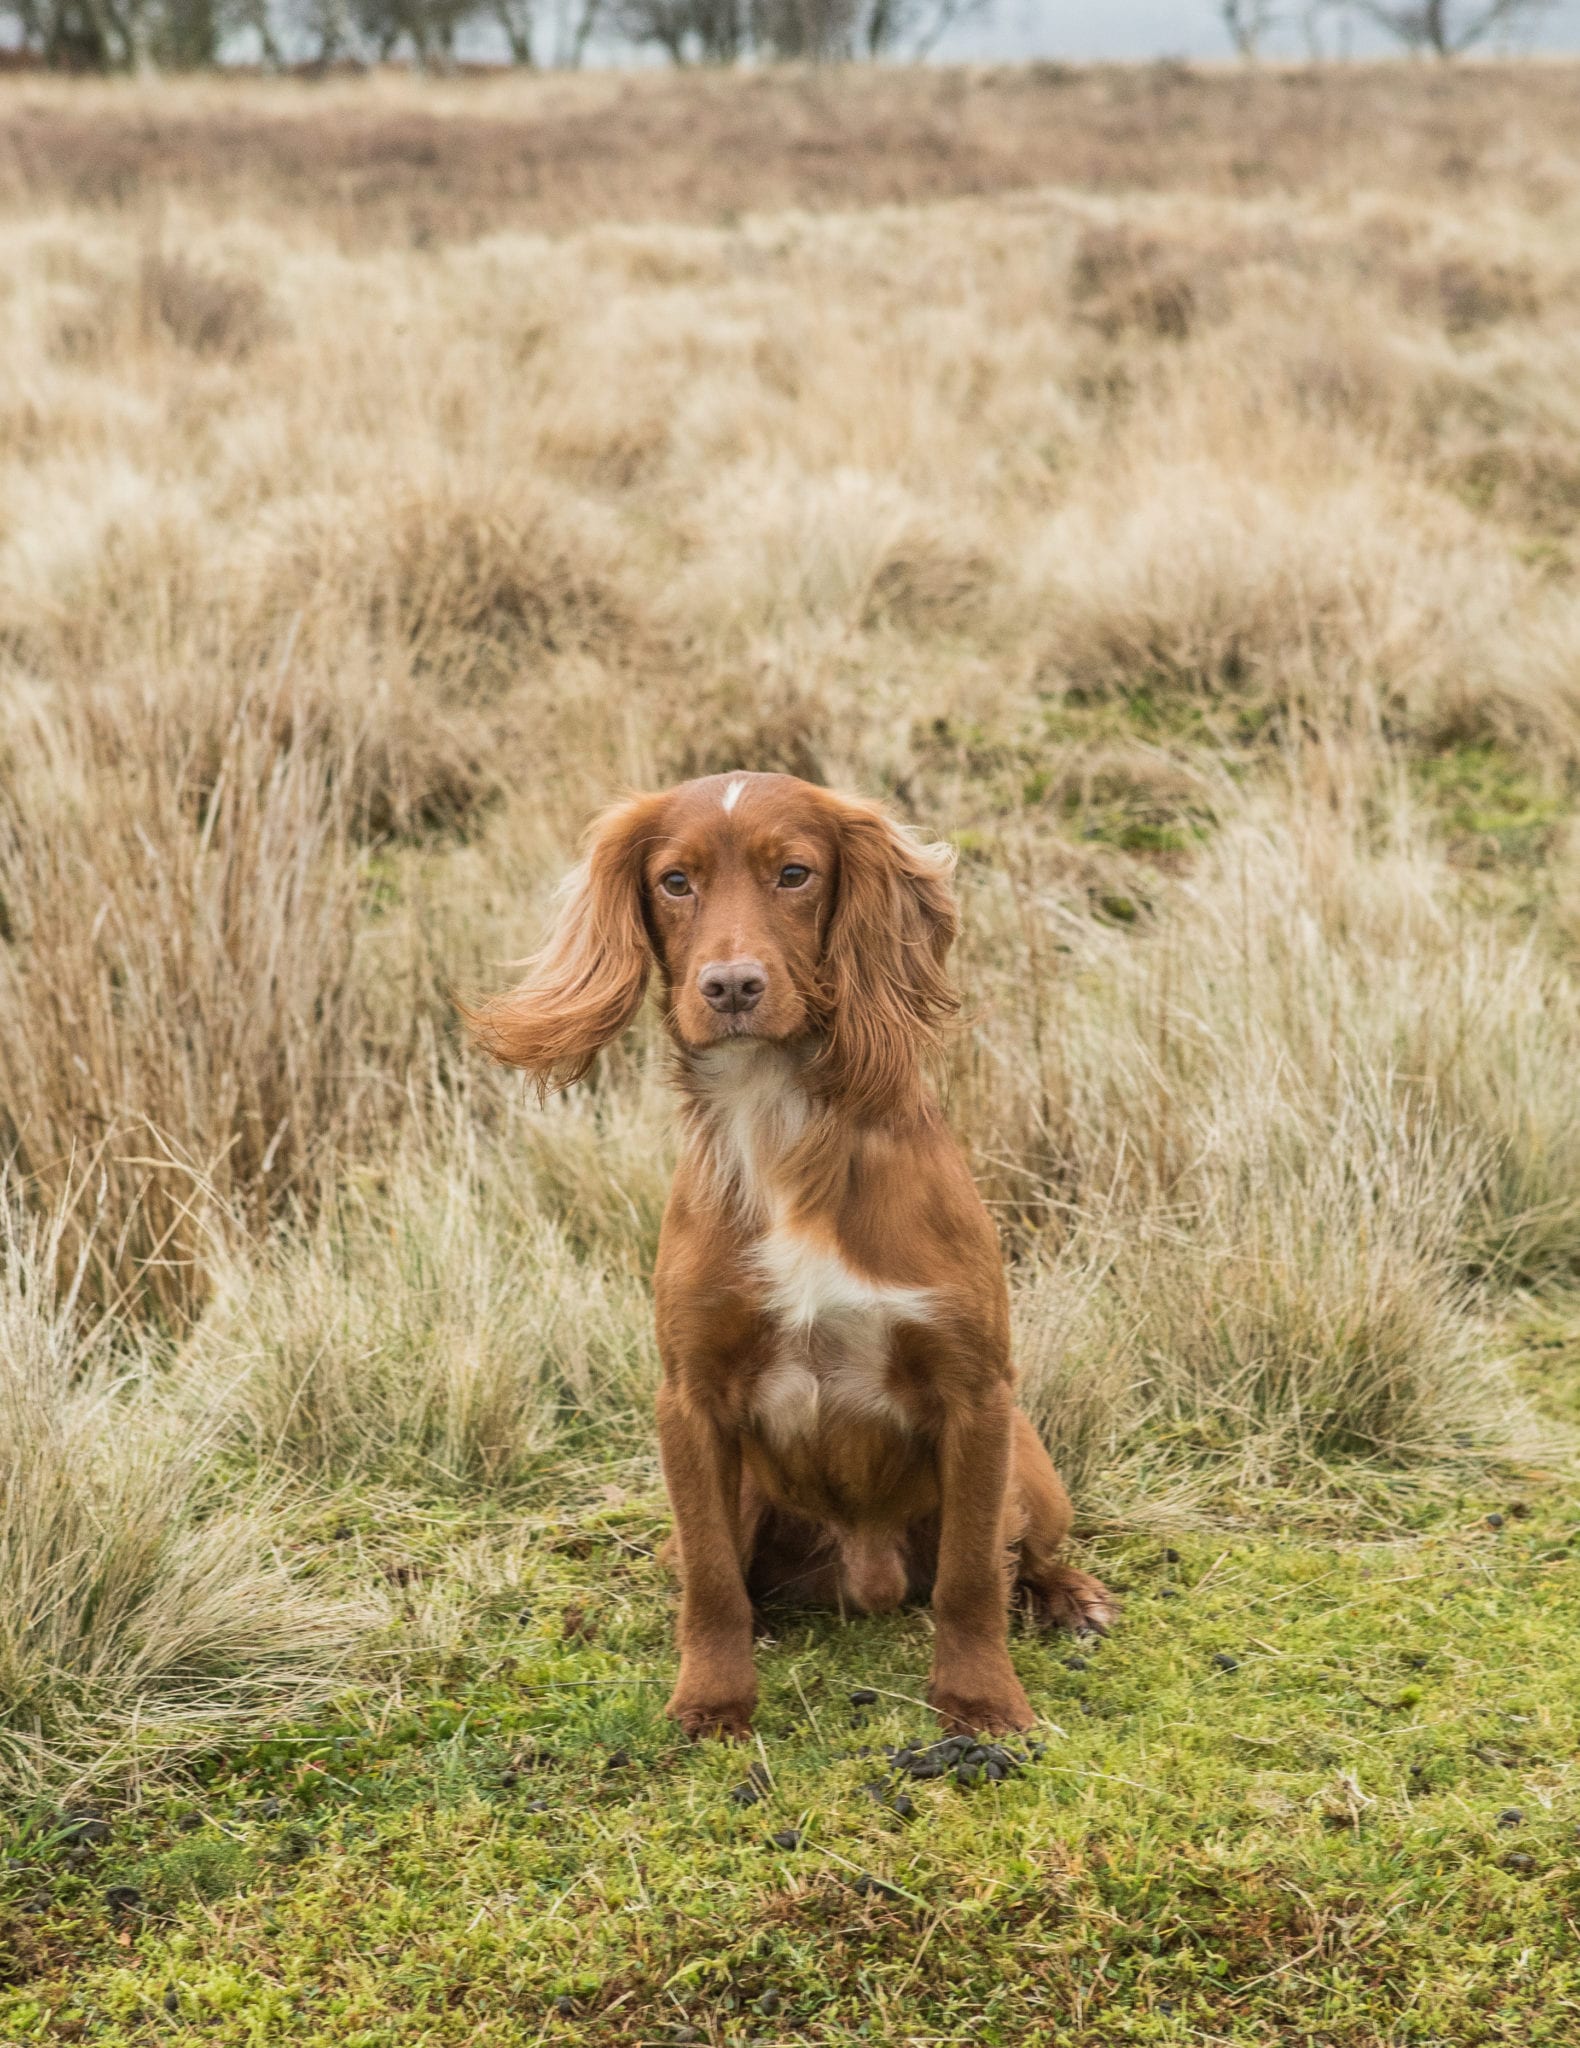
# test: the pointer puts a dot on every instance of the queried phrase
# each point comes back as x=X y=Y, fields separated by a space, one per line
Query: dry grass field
x=1167 y=486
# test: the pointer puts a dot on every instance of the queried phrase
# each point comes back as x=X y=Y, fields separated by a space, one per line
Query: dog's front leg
x=973 y=1685
x=717 y=1688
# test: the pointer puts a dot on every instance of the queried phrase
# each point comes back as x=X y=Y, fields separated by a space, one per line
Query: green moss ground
x=507 y=1843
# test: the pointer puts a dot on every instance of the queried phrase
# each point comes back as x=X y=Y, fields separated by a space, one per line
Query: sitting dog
x=837 y=1421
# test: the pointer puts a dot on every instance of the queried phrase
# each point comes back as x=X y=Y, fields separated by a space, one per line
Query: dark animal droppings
x=1224 y=1662
x=971 y=1762
x=864 y=1696
x=787 y=1838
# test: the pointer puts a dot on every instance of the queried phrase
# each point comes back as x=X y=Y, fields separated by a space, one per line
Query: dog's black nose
x=731 y=986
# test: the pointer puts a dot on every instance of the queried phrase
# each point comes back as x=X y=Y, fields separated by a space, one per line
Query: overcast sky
x=1085 y=29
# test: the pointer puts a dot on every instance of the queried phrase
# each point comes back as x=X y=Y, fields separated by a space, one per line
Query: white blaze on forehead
x=732 y=795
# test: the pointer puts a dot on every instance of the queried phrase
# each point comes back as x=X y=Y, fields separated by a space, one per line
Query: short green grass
x=1321 y=1785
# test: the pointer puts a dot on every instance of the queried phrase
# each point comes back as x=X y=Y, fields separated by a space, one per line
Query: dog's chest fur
x=834 y=1326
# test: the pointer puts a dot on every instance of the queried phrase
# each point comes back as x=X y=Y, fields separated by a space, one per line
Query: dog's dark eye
x=793 y=875
x=674 y=883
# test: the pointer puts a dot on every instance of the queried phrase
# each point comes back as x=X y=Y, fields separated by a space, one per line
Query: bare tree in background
x=914 y=27
x=687 y=31
x=516 y=20
x=332 y=28
x=575 y=24
x=723 y=31
x=666 y=23
x=70 y=35
x=102 y=35
x=823 y=31
x=258 y=16
x=1446 y=27
x=428 y=28
x=1247 y=22
x=139 y=35
x=136 y=35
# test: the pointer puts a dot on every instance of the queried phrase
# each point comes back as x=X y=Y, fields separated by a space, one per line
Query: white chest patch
x=836 y=1328
x=809 y=1284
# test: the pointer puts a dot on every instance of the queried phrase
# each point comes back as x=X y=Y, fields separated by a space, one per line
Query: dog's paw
x=1062 y=1597
x=730 y=1719
x=1001 y=1709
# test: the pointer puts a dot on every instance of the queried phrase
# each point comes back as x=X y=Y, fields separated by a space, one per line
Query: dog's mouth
x=741 y=1027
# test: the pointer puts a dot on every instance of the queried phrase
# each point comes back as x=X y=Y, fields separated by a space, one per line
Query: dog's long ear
x=587 y=983
x=886 y=988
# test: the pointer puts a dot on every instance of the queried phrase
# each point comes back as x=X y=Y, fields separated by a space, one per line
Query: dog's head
x=774 y=912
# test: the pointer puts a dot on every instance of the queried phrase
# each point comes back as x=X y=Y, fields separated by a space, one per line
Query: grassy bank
x=1167 y=487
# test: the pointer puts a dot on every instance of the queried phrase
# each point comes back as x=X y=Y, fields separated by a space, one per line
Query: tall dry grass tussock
x=182 y=1024
x=1267 y=1148
x=140 y=1610
x=436 y=1327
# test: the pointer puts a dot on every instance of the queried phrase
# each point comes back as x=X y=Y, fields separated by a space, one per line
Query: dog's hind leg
x=794 y=1562
x=1056 y=1595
